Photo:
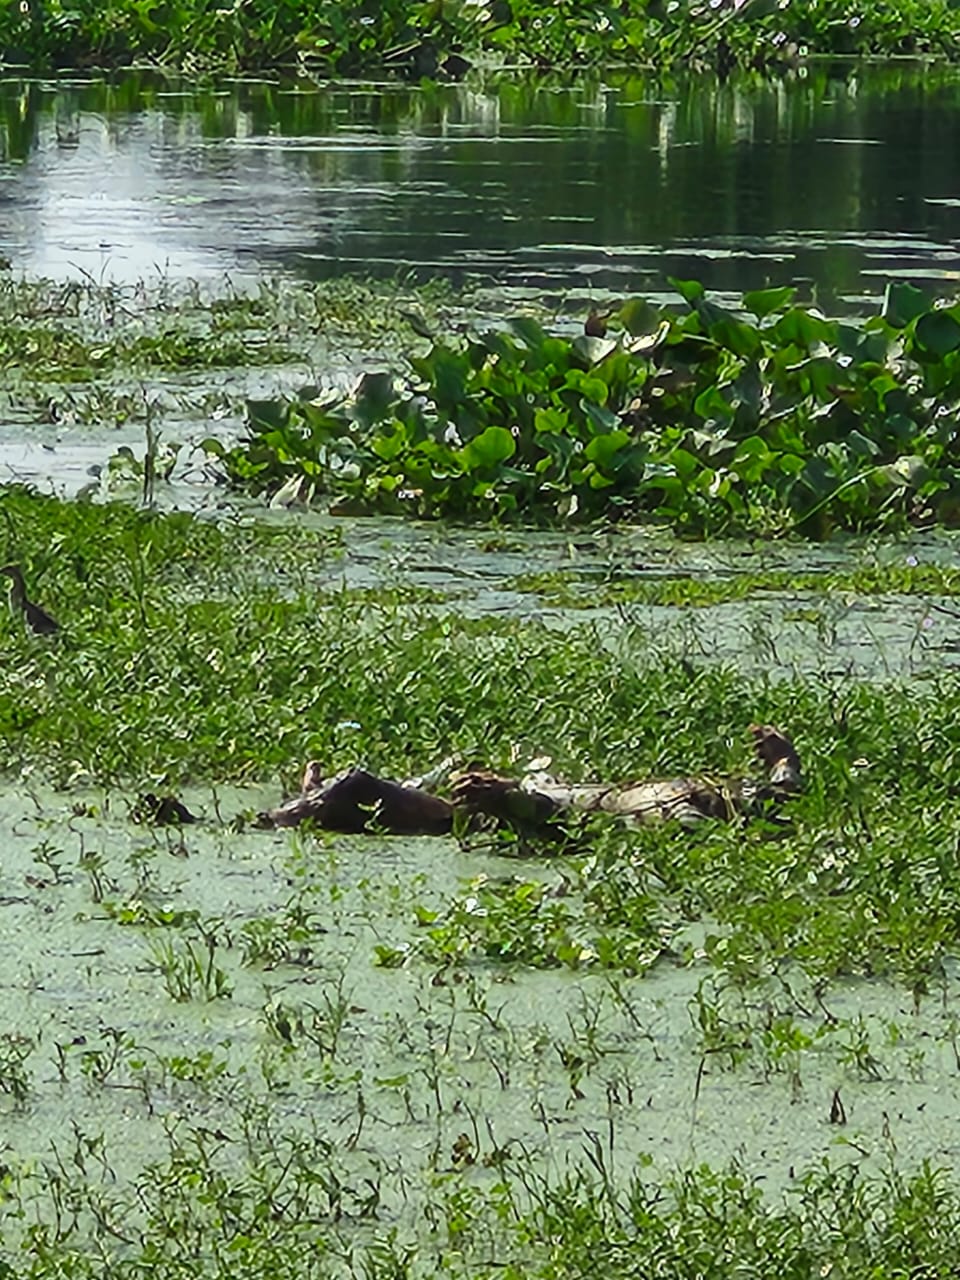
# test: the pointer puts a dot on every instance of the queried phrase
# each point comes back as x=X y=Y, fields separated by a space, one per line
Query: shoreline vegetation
x=444 y=39
x=760 y=416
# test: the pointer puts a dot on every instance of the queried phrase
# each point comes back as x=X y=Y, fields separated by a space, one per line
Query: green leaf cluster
x=766 y=418
x=428 y=38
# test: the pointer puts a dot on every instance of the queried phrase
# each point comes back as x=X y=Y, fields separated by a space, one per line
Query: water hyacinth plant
x=765 y=418
x=431 y=38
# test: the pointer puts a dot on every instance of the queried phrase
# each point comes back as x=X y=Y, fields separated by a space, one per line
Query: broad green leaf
x=490 y=447
x=591 y=387
x=374 y=395
x=601 y=417
x=761 y=302
x=711 y=313
x=712 y=403
x=684 y=463
x=691 y=291
x=554 y=421
x=753 y=447
x=603 y=449
x=390 y=442
x=791 y=464
x=804 y=329
x=528 y=331
x=901 y=427
x=266 y=415
x=826 y=377
x=447 y=370
x=903 y=302
x=638 y=317
x=742 y=339
x=938 y=333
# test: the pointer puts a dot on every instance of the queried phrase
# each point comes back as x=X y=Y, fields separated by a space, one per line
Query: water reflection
x=839 y=179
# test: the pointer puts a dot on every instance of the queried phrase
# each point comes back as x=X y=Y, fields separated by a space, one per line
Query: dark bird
x=161 y=811
x=37 y=619
x=595 y=325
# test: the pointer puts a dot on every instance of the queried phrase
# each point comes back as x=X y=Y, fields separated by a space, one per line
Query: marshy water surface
x=110 y=1033
x=232 y=991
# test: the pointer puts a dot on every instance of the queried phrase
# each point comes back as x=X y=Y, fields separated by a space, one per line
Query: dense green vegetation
x=766 y=419
x=200 y=653
x=442 y=37
x=712 y=421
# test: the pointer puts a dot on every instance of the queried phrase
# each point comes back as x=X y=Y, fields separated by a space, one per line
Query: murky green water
x=837 y=178
x=425 y=1056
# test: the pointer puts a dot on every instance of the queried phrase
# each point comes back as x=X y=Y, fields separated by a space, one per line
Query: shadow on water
x=840 y=178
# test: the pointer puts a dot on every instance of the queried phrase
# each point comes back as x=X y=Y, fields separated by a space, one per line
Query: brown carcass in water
x=537 y=798
x=356 y=801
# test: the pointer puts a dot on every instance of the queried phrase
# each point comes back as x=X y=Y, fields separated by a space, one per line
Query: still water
x=838 y=178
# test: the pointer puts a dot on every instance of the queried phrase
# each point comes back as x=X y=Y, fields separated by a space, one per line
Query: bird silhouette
x=37 y=619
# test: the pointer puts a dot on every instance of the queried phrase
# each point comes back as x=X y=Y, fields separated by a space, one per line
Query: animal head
x=312 y=776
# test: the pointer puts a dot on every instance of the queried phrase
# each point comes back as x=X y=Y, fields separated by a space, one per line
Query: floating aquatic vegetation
x=767 y=419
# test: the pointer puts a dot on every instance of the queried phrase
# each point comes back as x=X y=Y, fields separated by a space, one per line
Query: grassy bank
x=430 y=39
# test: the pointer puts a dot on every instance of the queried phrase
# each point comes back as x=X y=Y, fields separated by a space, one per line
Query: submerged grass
x=903 y=578
x=88 y=351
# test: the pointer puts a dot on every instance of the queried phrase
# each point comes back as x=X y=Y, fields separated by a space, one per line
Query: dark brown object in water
x=531 y=802
x=37 y=619
x=356 y=801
